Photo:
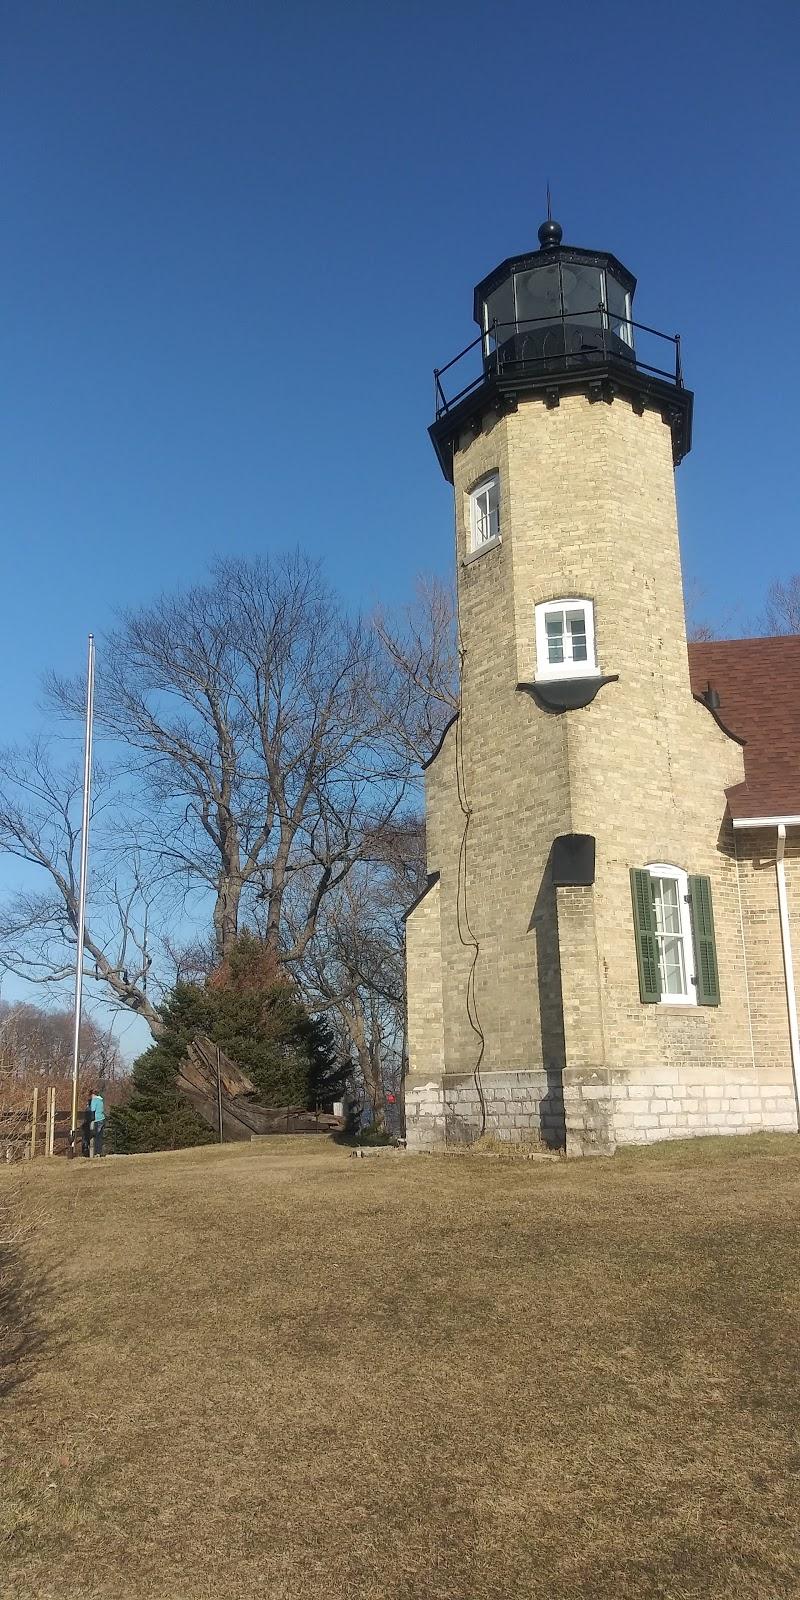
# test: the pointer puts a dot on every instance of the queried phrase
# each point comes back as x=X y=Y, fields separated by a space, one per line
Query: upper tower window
x=565 y=639
x=484 y=512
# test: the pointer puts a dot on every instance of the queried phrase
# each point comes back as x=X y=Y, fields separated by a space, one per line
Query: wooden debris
x=242 y=1117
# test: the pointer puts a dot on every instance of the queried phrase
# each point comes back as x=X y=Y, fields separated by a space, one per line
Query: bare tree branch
x=782 y=611
x=421 y=651
x=39 y=805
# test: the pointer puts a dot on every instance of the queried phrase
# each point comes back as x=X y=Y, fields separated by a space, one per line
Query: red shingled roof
x=758 y=683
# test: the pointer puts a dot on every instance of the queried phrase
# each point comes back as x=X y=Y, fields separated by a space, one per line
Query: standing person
x=98 y=1119
x=86 y=1128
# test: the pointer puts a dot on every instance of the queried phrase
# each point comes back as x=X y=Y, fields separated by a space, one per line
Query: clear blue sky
x=238 y=236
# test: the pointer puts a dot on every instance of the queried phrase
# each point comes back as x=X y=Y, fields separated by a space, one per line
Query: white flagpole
x=87 y=786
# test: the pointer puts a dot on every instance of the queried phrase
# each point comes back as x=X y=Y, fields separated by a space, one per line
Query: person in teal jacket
x=98 y=1120
x=86 y=1129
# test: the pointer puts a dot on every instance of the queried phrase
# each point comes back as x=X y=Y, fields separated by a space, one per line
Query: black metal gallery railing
x=539 y=346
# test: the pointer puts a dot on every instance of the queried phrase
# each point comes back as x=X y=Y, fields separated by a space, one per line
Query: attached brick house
x=603 y=954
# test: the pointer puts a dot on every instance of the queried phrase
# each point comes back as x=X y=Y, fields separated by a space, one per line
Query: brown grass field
x=274 y=1370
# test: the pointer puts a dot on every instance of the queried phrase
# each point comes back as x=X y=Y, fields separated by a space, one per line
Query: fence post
x=219 y=1097
x=34 y=1118
x=50 y=1122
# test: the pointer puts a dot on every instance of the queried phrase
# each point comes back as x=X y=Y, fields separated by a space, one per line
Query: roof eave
x=767 y=822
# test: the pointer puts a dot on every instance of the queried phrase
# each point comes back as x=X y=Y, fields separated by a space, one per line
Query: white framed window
x=565 y=645
x=676 y=951
x=669 y=888
x=484 y=512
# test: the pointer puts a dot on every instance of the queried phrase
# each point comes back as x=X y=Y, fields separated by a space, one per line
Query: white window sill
x=679 y=1002
x=489 y=544
x=570 y=670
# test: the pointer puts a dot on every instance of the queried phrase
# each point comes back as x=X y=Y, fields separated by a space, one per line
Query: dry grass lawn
x=277 y=1371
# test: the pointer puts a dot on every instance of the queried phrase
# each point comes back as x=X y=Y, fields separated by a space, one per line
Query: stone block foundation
x=592 y=1111
x=519 y=1107
x=607 y=1107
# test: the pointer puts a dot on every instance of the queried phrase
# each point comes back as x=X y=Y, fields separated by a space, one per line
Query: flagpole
x=87 y=787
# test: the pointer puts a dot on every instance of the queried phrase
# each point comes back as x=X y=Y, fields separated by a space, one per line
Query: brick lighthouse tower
x=578 y=948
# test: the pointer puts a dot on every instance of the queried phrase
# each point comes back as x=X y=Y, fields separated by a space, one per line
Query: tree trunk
x=226 y=916
x=377 y=1092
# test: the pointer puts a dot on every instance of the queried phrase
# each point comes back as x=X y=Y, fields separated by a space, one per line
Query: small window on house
x=484 y=512
x=565 y=639
x=675 y=944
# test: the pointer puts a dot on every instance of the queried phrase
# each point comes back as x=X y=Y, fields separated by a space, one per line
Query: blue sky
x=238 y=236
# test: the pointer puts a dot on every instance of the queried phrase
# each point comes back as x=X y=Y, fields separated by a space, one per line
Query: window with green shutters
x=674 y=930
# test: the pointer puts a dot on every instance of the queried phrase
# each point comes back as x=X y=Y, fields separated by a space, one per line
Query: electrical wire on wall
x=463 y=923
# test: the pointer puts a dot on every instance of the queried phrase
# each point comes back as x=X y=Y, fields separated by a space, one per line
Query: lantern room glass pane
x=618 y=309
x=538 y=295
x=582 y=290
x=500 y=308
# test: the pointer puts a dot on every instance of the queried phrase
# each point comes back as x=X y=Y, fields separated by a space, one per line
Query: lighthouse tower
x=577 y=950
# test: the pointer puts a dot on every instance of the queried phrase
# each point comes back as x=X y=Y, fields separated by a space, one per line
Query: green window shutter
x=705 y=946
x=644 y=923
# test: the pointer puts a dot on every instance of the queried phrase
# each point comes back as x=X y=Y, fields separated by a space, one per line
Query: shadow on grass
x=371 y=1138
x=31 y=1308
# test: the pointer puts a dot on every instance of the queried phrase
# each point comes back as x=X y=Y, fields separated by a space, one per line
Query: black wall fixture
x=572 y=860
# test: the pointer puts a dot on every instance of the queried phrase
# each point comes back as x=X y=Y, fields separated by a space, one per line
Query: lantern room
x=557 y=306
x=554 y=322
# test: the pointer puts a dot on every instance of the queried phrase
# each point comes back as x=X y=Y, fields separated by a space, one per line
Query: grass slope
x=276 y=1371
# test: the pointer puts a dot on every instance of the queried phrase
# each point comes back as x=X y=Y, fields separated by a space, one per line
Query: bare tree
x=253 y=713
x=264 y=743
x=354 y=969
x=700 y=632
x=38 y=1043
x=421 y=649
x=191 y=962
x=698 y=627
x=40 y=826
x=782 y=612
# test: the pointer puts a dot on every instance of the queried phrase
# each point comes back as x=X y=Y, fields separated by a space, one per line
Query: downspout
x=788 y=964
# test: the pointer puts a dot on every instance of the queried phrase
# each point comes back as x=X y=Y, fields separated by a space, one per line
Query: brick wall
x=424 y=979
x=755 y=853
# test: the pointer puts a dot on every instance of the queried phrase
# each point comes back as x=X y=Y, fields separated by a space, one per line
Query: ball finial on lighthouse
x=550 y=234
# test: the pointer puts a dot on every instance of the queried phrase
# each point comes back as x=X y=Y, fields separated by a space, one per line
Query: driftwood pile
x=242 y=1117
